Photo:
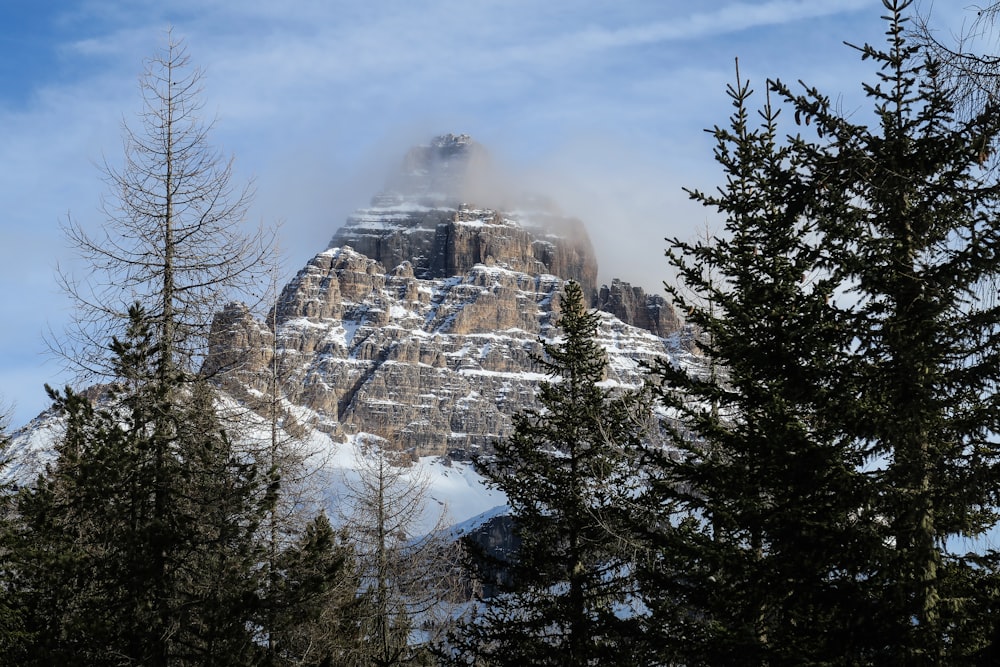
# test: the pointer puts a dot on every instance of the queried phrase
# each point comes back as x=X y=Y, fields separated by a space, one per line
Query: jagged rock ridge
x=632 y=305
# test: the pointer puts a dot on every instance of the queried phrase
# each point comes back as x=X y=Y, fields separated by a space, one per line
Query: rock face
x=633 y=306
x=440 y=242
x=433 y=366
x=420 y=324
x=497 y=540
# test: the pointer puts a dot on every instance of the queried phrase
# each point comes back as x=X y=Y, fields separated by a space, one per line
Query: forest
x=822 y=488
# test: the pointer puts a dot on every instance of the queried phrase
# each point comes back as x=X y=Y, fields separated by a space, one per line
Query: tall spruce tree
x=760 y=492
x=137 y=548
x=917 y=219
x=567 y=476
x=825 y=472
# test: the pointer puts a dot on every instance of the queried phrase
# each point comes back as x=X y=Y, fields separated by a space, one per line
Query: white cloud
x=730 y=18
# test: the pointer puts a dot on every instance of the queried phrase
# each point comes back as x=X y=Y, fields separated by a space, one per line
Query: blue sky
x=600 y=104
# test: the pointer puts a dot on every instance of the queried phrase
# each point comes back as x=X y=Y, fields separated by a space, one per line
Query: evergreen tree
x=317 y=610
x=841 y=437
x=917 y=224
x=760 y=492
x=152 y=538
x=138 y=544
x=222 y=495
x=567 y=475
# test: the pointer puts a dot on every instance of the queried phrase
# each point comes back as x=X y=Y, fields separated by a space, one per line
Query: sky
x=599 y=104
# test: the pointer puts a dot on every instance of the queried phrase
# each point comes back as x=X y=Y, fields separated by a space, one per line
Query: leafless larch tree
x=173 y=239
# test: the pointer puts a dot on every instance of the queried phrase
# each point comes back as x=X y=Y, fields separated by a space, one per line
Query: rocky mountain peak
x=421 y=323
x=632 y=304
x=427 y=218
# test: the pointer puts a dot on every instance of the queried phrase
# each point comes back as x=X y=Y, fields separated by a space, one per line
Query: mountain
x=419 y=323
x=427 y=216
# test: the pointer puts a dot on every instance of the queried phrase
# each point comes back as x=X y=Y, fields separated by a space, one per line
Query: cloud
x=731 y=18
x=630 y=199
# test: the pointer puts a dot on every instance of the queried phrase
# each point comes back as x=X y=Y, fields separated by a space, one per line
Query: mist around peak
x=627 y=197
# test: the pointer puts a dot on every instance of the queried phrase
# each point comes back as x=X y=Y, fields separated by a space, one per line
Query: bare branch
x=173 y=237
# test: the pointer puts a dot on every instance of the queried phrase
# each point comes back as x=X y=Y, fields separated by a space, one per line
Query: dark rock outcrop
x=633 y=306
x=493 y=547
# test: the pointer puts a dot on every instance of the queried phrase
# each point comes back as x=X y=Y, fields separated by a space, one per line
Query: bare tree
x=408 y=571
x=968 y=67
x=967 y=61
x=171 y=251
x=172 y=239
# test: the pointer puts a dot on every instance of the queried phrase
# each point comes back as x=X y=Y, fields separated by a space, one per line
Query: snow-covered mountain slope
x=330 y=473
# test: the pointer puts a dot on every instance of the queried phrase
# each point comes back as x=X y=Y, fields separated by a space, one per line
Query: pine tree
x=768 y=488
x=154 y=537
x=318 y=606
x=71 y=543
x=838 y=440
x=567 y=475
x=222 y=494
x=138 y=543
x=919 y=233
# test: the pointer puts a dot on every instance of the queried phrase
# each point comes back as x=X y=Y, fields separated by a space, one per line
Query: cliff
x=633 y=306
x=434 y=366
